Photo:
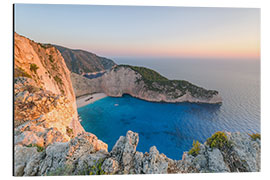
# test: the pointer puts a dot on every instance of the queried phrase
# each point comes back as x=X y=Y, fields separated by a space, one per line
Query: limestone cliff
x=42 y=83
x=145 y=84
x=83 y=85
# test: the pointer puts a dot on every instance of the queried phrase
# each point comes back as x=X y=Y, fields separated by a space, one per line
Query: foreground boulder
x=238 y=153
x=60 y=158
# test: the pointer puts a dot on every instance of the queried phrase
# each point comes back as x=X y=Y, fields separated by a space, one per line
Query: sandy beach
x=87 y=99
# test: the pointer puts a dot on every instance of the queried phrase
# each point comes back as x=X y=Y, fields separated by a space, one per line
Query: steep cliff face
x=145 y=84
x=41 y=79
x=83 y=85
x=79 y=61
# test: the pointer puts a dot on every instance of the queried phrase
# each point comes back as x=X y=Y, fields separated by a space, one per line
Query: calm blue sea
x=173 y=127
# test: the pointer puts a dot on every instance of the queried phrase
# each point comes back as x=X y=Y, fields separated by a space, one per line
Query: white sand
x=84 y=100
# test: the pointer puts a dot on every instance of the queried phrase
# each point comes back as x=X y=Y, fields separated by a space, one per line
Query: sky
x=140 y=31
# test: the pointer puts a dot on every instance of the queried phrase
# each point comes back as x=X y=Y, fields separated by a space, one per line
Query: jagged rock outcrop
x=60 y=157
x=145 y=84
x=243 y=155
x=85 y=154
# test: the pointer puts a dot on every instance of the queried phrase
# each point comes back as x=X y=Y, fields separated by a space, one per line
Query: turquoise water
x=173 y=127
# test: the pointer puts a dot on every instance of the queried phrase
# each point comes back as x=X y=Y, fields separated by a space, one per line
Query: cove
x=170 y=127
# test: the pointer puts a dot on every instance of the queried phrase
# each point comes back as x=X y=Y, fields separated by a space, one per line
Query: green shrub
x=34 y=68
x=45 y=46
x=61 y=171
x=194 y=151
x=31 y=89
x=69 y=132
x=51 y=58
x=96 y=169
x=168 y=86
x=19 y=72
x=255 y=136
x=39 y=148
x=57 y=79
x=218 y=140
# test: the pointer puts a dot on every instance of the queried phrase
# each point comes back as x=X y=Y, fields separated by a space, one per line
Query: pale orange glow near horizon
x=208 y=50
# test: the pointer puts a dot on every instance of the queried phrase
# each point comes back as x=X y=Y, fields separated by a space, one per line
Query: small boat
x=89 y=98
x=116 y=104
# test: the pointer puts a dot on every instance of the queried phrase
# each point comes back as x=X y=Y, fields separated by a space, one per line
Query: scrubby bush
x=96 y=169
x=31 y=89
x=39 y=148
x=57 y=79
x=34 y=68
x=62 y=91
x=151 y=77
x=19 y=72
x=51 y=58
x=218 y=140
x=255 y=136
x=62 y=171
x=69 y=132
x=194 y=151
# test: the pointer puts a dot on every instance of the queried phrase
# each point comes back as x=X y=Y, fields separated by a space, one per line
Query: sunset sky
x=134 y=31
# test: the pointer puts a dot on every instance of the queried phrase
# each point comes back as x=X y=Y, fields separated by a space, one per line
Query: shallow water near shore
x=173 y=127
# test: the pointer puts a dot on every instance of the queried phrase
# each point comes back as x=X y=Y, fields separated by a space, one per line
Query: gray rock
x=200 y=162
x=138 y=158
x=216 y=161
x=56 y=157
x=110 y=166
x=124 y=150
x=246 y=153
x=21 y=96
x=154 y=163
x=86 y=163
x=25 y=160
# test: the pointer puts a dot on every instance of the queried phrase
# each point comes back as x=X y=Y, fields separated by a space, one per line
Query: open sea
x=173 y=127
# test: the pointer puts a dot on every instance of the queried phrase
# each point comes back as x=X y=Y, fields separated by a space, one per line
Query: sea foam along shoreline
x=88 y=99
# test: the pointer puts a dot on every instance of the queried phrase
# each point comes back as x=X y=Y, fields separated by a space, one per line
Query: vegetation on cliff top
x=34 y=68
x=39 y=148
x=218 y=140
x=19 y=72
x=194 y=151
x=255 y=136
x=157 y=82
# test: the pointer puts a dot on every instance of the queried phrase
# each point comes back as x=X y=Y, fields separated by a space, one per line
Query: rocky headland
x=145 y=84
x=49 y=140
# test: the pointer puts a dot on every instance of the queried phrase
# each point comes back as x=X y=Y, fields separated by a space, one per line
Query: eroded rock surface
x=85 y=154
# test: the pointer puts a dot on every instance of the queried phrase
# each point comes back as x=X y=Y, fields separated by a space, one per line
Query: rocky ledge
x=86 y=155
x=145 y=84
